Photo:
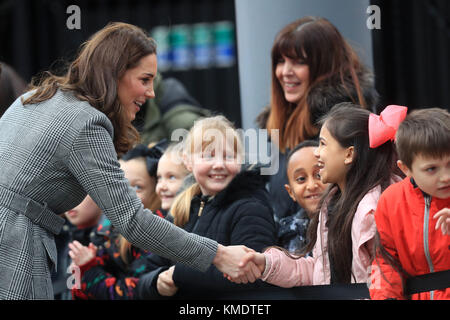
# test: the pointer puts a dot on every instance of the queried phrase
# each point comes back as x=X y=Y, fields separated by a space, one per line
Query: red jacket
x=404 y=219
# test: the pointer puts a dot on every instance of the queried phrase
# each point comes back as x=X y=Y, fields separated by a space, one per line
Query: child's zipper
x=425 y=237
x=200 y=210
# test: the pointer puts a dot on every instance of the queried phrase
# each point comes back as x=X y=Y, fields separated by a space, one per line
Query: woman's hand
x=254 y=261
x=443 y=222
x=81 y=254
x=228 y=261
x=257 y=258
x=165 y=285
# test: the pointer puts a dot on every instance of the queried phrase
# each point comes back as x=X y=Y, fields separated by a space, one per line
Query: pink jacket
x=287 y=272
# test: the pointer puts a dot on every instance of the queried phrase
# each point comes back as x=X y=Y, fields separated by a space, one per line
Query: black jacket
x=238 y=215
x=320 y=100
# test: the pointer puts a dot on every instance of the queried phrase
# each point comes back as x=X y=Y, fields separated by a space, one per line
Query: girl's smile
x=214 y=170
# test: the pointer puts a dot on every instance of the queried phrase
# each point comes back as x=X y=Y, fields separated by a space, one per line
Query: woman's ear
x=349 y=155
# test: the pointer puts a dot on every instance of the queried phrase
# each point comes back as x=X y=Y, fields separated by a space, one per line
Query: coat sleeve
x=363 y=236
x=283 y=271
x=386 y=283
x=93 y=162
x=252 y=225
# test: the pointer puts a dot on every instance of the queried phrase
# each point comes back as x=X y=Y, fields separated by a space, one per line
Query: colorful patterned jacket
x=107 y=276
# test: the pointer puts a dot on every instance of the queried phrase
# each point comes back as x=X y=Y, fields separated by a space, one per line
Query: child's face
x=85 y=215
x=214 y=168
x=305 y=186
x=333 y=159
x=136 y=172
x=431 y=175
x=170 y=176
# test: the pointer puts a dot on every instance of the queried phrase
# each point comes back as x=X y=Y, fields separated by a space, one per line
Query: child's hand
x=81 y=254
x=165 y=285
x=443 y=222
x=253 y=264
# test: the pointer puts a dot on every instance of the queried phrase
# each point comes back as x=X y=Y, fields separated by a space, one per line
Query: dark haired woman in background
x=313 y=68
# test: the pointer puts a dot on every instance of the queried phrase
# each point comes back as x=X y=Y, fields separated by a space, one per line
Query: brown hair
x=94 y=74
x=329 y=58
x=426 y=132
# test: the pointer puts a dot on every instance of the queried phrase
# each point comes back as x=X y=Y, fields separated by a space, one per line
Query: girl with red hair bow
x=341 y=235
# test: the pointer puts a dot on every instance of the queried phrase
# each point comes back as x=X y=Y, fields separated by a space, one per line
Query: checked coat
x=52 y=154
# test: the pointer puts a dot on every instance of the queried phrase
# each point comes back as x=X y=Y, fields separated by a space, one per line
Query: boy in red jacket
x=413 y=216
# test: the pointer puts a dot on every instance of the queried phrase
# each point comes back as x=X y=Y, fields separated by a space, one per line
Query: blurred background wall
x=34 y=37
x=230 y=72
x=258 y=22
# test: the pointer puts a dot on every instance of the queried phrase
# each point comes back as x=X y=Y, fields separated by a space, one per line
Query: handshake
x=240 y=264
x=250 y=266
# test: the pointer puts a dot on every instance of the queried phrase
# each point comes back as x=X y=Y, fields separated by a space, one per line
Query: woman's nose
x=287 y=68
x=150 y=94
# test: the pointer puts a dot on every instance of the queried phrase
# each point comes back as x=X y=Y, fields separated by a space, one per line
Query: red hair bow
x=383 y=127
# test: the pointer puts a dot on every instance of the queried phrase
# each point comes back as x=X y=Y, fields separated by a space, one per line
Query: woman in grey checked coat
x=61 y=141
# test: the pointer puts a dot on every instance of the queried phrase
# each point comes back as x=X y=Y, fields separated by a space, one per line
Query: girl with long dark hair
x=342 y=235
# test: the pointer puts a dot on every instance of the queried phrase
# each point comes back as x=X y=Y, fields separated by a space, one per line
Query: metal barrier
x=321 y=292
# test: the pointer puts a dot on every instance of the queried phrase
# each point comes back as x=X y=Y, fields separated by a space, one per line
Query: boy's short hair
x=425 y=132
x=304 y=144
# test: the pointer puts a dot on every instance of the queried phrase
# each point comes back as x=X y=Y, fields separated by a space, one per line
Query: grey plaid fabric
x=54 y=153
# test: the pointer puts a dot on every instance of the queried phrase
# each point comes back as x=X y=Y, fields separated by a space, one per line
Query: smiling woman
x=114 y=72
x=70 y=130
x=136 y=85
x=313 y=69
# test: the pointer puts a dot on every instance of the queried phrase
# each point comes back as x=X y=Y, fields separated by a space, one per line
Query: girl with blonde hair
x=226 y=203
